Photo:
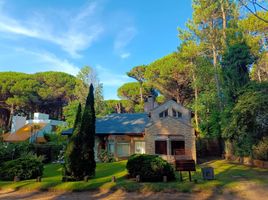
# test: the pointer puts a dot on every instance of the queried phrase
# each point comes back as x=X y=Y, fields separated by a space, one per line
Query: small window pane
x=123 y=149
x=111 y=148
x=140 y=147
x=161 y=147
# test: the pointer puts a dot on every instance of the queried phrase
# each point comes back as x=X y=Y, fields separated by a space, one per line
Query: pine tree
x=88 y=135
x=73 y=151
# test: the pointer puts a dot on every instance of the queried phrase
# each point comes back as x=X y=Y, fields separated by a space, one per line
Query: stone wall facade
x=171 y=129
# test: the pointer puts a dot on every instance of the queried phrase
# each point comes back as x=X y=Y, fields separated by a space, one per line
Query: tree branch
x=255 y=14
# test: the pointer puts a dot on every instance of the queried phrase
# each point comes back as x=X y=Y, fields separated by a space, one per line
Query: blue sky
x=111 y=36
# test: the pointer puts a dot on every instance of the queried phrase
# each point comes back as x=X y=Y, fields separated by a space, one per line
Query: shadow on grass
x=227 y=175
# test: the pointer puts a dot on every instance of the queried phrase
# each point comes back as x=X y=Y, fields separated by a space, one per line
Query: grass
x=227 y=176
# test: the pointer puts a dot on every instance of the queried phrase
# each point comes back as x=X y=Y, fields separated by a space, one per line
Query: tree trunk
x=259 y=75
x=141 y=95
x=10 y=116
x=216 y=74
x=196 y=98
x=224 y=22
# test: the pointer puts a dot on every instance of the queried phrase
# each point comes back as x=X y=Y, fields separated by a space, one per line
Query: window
x=163 y=114
x=176 y=113
x=177 y=148
x=161 y=147
x=123 y=149
x=111 y=147
x=140 y=147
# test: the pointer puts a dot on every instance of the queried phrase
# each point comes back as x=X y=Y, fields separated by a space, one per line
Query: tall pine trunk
x=196 y=99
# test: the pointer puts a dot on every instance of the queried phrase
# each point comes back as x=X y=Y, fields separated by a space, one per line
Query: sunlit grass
x=227 y=175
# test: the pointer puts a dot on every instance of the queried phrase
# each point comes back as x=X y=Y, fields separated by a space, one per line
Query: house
x=32 y=130
x=165 y=130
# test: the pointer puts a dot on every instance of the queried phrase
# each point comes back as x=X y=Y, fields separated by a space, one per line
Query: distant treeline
x=46 y=92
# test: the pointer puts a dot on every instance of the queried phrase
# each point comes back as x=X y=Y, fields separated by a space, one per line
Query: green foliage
x=28 y=93
x=149 y=167
x=49 y=151
x=13 y=151
x=236 y=62
x=259 y=70
x=87 y=131
x=70 y=111
x=118 y=106
x=170 y=77
x=131 y=91
x=73 y=157
x=28 y=166
x=138 y=73
x=105 y=156
x=85 y=77
x=249 y=120
x=260 y=150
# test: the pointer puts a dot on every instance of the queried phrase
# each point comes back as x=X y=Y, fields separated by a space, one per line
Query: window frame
x=135 y=146
x=123 y=143
x=157 y=151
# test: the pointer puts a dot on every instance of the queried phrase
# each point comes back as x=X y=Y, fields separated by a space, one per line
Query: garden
x=227 y=175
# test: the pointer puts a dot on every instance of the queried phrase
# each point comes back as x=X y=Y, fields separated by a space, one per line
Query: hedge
x=149 y=167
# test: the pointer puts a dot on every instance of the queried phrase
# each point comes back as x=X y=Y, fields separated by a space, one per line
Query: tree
x=248 y=4
x=138 y=74
x=130 y=91
x=169 y=76
x=84 y=78
x=236 y=62
x=88 y=163
x=73 y=158
x=249 y=119
x=259 y=70
x=22 y=93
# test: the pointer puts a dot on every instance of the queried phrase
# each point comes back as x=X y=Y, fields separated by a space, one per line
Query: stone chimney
x=149 y=103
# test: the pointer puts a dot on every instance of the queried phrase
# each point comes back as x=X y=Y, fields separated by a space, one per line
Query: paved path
x=244 y=191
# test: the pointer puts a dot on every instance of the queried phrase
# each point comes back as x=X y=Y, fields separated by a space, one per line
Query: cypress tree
x=88 y=135
x=73 y=159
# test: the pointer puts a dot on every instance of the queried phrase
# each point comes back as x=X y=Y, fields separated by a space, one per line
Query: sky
x=111 y=36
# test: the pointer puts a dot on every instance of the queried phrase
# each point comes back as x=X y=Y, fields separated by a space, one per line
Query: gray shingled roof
x=125 y=123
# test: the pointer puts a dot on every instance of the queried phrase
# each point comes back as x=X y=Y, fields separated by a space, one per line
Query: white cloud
x=125 y=55
x=123 y=38
x=83 y=30
x=110 y=78
x=50 y=62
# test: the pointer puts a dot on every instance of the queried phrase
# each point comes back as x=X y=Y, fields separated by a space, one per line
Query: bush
x=260 y=151
x=26 y=167
x=50 y=152
x=106 y=157
x=13 y=151
x=149 y=167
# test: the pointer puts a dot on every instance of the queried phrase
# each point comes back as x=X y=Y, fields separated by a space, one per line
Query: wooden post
x=38 y=179
x=113 y=179
x=190 y=178
x=181 y=176
x=86 y=178
x=16 y=179
x=164 y=179
x=138 y=178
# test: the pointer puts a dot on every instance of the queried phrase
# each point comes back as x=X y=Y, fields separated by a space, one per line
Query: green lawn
x=227 y=175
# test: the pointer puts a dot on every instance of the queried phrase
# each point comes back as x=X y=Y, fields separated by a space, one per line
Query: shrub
x=13 y=151
x=26 y=167
x=50 y=152
x=106 y=157
x=260 y=151
x=149 y=167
